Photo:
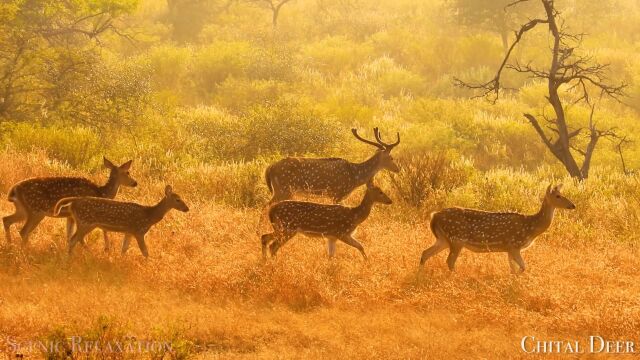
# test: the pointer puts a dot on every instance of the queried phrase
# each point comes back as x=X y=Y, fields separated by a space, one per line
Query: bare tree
x=579 y=73
x=274 y=6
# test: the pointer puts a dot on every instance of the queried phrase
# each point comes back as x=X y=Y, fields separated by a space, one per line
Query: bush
x=75 y=145
x=288 y=128
x=425 y=179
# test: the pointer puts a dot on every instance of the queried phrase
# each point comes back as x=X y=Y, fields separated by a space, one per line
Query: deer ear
x=168 y=190
x=549 y=189
x=126 y=165
x=558 y=187
x=108 y=164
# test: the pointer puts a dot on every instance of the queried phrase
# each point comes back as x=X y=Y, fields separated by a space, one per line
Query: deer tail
x=267 y=178
x=13 y=195
x=64 y=203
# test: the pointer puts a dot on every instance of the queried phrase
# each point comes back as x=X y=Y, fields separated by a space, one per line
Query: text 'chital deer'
x=481 y=231
x=332 y=177
x=134 y=220
x=35 y=199
x=334 y=222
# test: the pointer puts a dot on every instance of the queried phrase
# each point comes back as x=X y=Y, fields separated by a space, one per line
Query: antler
x=378 y=145
x=376 y=132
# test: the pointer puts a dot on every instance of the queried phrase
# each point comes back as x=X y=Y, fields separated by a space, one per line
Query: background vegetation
x=203 y=94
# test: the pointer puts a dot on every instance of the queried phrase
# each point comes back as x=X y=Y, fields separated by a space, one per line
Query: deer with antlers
x=481 y=231
x=334 y=222
x=35 y=199
x=335 y=178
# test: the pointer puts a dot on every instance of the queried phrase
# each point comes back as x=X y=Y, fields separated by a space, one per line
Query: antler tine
x=386 y=146
x=391 y=146
x=355 y=133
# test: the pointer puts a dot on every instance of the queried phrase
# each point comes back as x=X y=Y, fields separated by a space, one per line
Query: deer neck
x=543 y=218
x=366 y=170
x=110 y=189
x=362 y=211
x=159 y=210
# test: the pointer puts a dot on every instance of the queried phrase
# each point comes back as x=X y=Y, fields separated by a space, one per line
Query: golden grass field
x=206 y=289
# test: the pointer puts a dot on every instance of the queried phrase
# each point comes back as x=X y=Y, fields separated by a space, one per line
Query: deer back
x=483 y=230
x=110 y=214
x=332 y=177
x=311 y=217
x=42 y=194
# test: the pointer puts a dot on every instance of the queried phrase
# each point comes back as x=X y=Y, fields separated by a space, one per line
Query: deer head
x=121 y=173
x=556 y=199
x=377 y=195
x=174 y=200
x=384 y=150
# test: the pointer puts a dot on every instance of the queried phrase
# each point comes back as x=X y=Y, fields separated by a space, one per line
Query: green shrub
x=75 y=145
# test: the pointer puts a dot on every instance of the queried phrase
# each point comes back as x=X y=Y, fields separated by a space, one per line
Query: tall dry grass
x=205 y=288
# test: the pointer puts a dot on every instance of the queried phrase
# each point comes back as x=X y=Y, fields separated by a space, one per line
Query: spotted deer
x=335 y=178
x=481 y=231
x=334 y=222
x=134 y=220
x=34 y=199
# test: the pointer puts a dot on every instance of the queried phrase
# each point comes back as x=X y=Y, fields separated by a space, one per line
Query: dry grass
x=206 y=289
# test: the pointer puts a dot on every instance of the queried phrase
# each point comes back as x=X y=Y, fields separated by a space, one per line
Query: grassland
x=205 y=288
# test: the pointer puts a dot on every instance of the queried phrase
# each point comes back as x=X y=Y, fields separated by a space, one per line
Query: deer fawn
x=34 y=199
x=332 y=177
x=132 y=219
x=335 y=222
x=480 y=231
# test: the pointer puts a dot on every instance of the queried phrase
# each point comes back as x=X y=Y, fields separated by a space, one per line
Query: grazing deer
x=335 y=222
x=481 y=231
x=332 y=177
x=132 y=219
x=34 y=199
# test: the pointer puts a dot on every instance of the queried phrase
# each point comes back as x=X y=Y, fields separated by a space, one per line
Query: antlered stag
x=332 y=177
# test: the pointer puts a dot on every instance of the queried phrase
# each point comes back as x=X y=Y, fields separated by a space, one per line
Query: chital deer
x=34 y=199
x=334 y=222
x=332 y=177
x=480 y=231
x=132 y=219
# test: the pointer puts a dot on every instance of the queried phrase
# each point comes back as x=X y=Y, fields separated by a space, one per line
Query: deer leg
x=7 y=221
x=280 y=240
x=517 y=258
x=331 y=247
x=32 y=221
x=107 y=244
x=126 y=242
x=78 y=236
x=454 y=251
x=433 y=250
x=349 y=240
x=142 y=245
x=266 y=239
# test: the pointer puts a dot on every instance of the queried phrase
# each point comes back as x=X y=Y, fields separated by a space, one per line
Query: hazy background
x=181 y=83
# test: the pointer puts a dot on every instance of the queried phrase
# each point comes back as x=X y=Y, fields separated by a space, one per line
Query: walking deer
x=335 y=178
x=335 y=222
x=132 y=219
x=35 y=199
x=481 y=231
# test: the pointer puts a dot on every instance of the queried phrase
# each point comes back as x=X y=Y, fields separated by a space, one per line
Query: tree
x=568 y=69
x=44 y=43
x=274 y=5
x=188 y=17
x=489 y=15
